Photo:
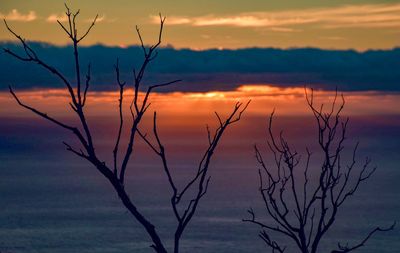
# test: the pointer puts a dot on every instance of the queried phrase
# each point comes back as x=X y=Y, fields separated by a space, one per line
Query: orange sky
x=199 y=106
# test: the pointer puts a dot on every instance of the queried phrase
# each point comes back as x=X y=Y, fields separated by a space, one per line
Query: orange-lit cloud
x=53 y=18
x=100 y=19
x=57 y=17
x=15 y=15
x=241 y=20
x=172 y=20
x=361 y=16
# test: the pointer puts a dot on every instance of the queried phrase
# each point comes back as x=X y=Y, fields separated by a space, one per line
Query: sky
x=357 y=24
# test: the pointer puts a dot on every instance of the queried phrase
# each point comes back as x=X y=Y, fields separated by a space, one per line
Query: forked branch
x=78 y=100
x=200 y=181
x=346 y=248
x=115 y=174
x=304 y=212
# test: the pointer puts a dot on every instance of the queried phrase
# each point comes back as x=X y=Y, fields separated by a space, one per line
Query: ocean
x=53 y=202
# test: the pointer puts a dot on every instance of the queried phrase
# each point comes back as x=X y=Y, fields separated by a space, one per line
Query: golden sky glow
x=360 y=24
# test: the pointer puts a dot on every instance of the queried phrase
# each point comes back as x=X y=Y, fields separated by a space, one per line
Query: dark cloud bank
x=214 y=69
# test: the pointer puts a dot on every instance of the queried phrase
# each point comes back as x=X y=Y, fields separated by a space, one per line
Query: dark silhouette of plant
x=301 y=209
x=193 y=191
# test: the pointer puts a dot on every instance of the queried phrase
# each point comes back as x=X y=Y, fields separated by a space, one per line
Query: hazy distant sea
x=52 y=202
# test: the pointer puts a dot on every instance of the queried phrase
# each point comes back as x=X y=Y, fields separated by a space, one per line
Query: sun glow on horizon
x=286 y=100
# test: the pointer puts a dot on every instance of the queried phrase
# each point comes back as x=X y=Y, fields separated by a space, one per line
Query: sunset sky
x=339 y=24
x=267 y=54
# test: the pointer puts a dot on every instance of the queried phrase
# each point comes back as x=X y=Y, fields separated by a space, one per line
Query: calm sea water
x=52 y=202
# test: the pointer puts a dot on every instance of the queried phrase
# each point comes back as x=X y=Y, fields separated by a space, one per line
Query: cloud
x=54 y=17
x=64 y=18
x=101 y=18
x=241 y=20
x=216 y=69
x=284 y=29
x=250 y=20
x=174 y=20
x=15 y=15
x=347 y=16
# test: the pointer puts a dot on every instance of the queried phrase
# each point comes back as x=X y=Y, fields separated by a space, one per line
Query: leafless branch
x=345 y=249
x=115 y=174
x=315 y=208
x=121 y=117
x=200 y=180
x=78 y=101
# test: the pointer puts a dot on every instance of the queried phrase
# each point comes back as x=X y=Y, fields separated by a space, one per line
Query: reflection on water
x=53 y=202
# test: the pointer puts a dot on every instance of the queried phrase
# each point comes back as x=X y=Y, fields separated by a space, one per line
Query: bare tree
x=115 y=173
x=301 y=209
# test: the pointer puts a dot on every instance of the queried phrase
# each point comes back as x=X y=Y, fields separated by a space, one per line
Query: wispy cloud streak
x=53 y=18
x=361 y=16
